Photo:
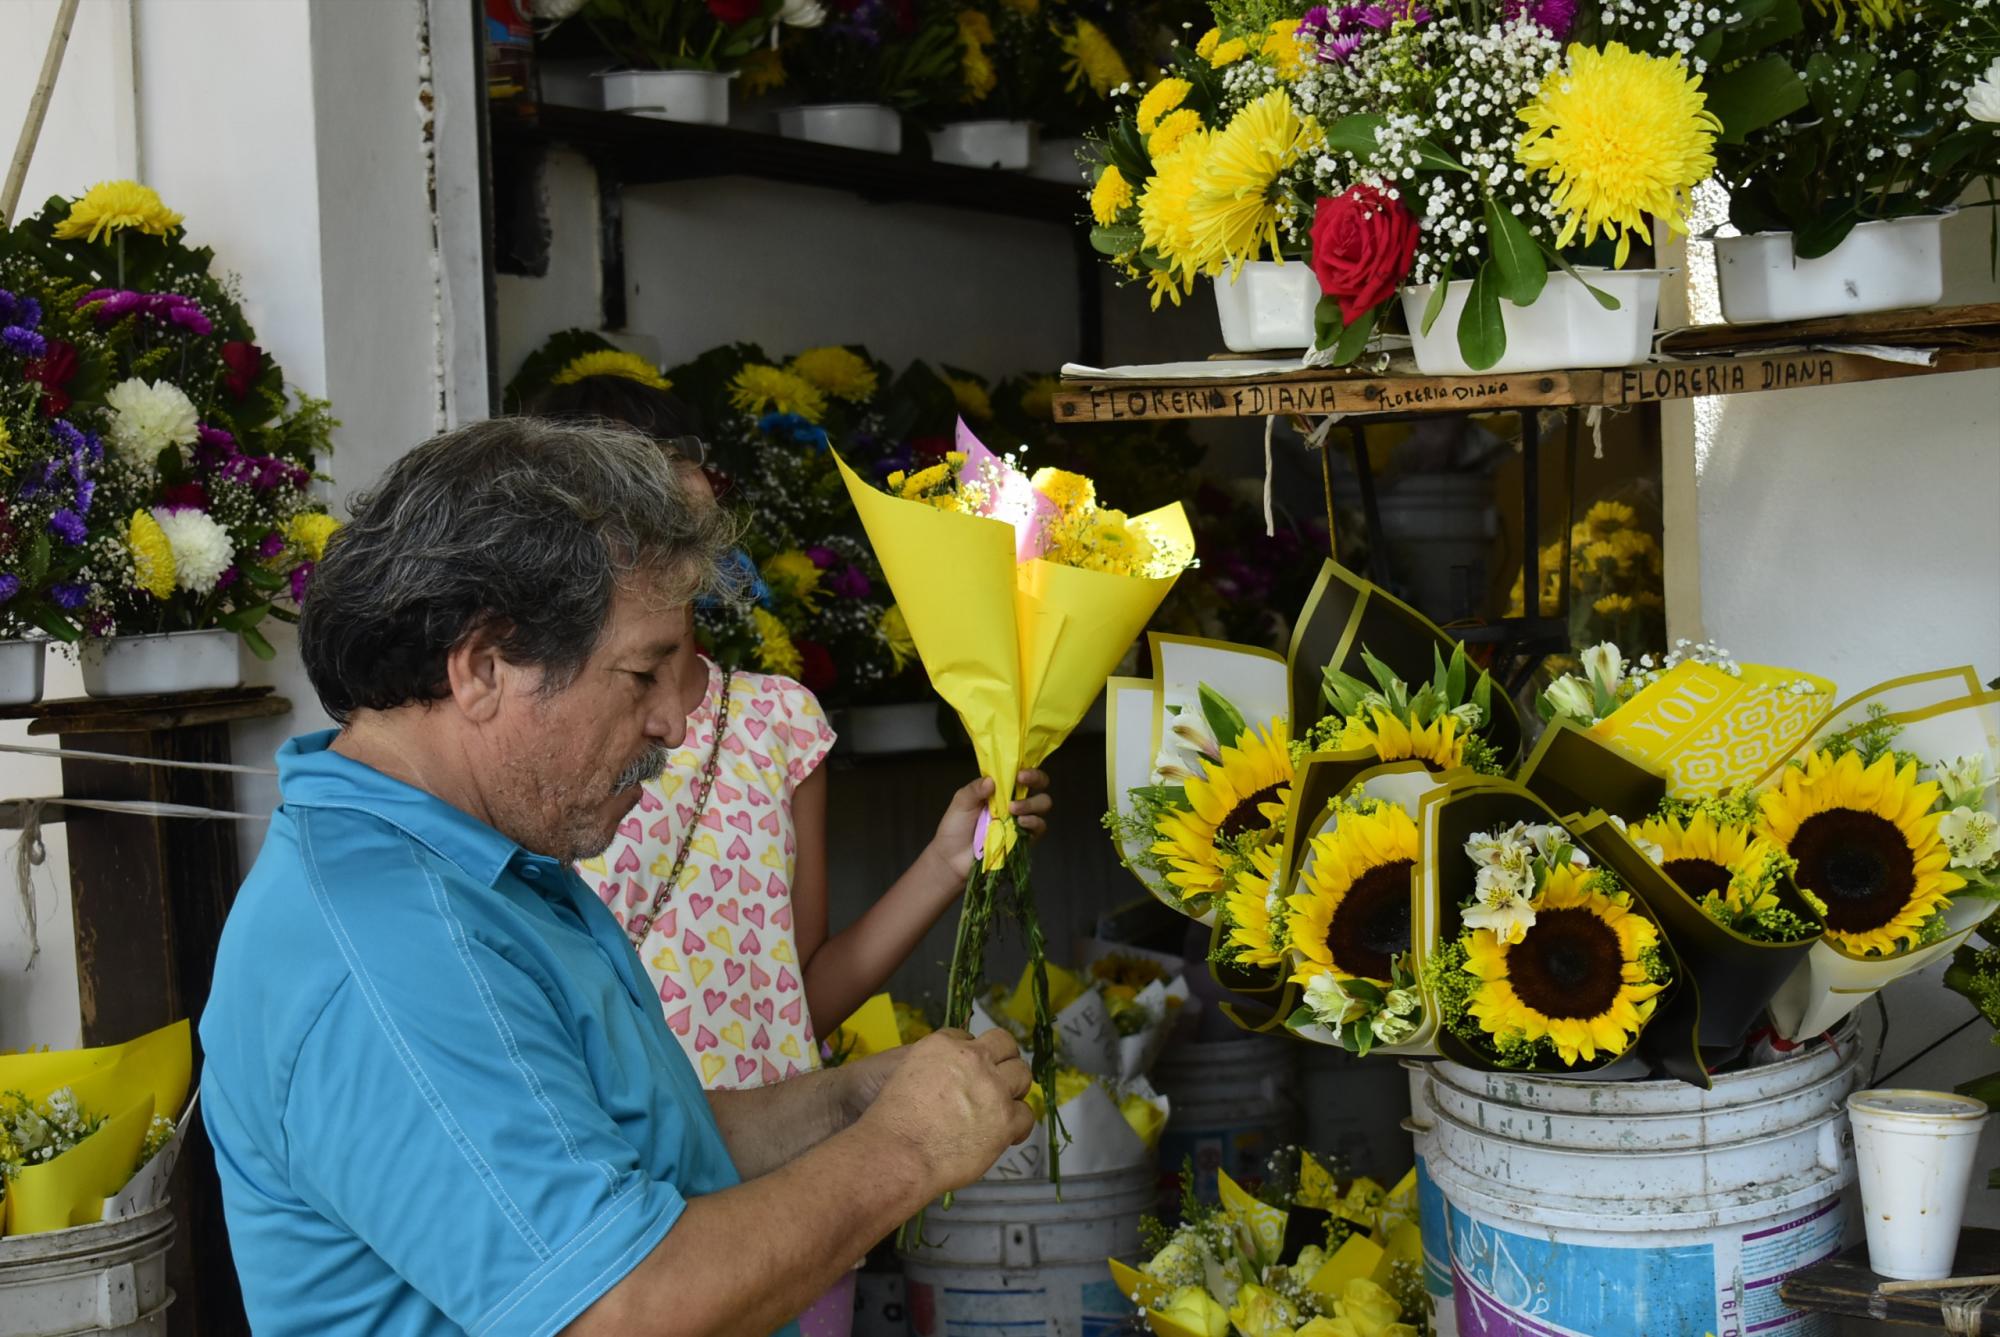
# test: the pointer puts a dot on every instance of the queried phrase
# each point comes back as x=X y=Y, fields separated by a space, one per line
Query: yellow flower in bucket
x=111 y=207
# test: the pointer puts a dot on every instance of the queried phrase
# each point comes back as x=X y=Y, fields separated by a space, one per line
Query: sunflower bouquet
x=1307 y=1256
x=178 y=493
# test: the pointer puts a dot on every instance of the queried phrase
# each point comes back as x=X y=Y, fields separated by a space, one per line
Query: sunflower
x=839 y=372
x=1583 y=979
x=1254 y=931
x=1867 y=845
x=758 y=388
x=1240 y=797
x=611 y=362
x=1440 y=745
x=1726 y=867
x=1237 y=202
x=111 y=206
x=1620 y=134
x=1352 y=918
x=1111 y=196
x=1160 y=99
x=1093 y=60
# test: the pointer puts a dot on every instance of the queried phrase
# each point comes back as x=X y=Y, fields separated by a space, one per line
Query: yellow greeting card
x=1706 y=730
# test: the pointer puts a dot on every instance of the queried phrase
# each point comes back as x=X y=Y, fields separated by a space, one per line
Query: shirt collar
x=312 y=775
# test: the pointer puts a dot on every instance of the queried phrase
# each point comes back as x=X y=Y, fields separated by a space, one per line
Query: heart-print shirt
x=721 y=950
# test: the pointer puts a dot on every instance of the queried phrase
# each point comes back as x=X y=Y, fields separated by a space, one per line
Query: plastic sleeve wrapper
x=1940 y=723
x=1087 y=1035
x=1102 y=1138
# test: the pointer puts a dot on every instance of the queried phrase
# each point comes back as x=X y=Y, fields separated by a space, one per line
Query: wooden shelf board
x=1845 y=1285
x=641 y=150
x=144 y=714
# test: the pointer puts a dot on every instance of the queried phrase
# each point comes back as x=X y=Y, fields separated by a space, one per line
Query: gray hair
x=517 y=526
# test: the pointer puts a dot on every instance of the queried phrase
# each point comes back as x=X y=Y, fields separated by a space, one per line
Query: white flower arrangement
x=202 y=548
x=146 y=418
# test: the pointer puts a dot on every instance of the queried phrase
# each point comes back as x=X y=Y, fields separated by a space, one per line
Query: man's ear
x=478 y=674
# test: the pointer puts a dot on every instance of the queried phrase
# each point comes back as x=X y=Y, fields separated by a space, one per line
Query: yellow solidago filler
x=8 y=450
x=1111 y=196
x=971 y=396
x=1874 y=15
x=1160 y=99
x=840 y=372
x=1163 y=206
x=775 y=651
x=1172 y=131
x=1234 y=210
x=763 y=70
x=975 y=33
x=1621 y=135
x=611 y=362
x=1290 y=54
x=759 y=388
x=1093 y=60
x=112 y=206
x=794 y=573
x=895 y=632
x=309 y=532
x=152 y=555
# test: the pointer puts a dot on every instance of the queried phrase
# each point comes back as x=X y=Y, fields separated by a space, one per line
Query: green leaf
x=258 y=645
x=1385 y=677
x=1361 y=1036
x=1482 y=331
x=1300 y=1019
x=1225 y=721
x=1454 y=683
x=1482 y=695
x=1365 y=991
x=1116 y=240
x=1439 y=290
x=1818 y=236
x=1754 y=95
x=262 y=578
x=1354 y=339
x=1327 y=320
x=55 y=624
x=243 y=619
x=38 y=561
x=1355 y=135
x=1604 y=299
x=1985 y=1088
x=1523 y=272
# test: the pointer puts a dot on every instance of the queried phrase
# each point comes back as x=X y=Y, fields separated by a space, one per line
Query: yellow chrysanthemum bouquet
x=1021 y=594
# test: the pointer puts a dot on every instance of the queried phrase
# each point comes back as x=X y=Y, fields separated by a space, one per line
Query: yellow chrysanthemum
x=775 y=651
x=840 y=372
x=152 y=555
x=1290 y=54
x=1242 y=794
x=1100 y=539
x=1160 y=99
x=1227 y=53
x=763 y=71
x=1725 y=861
x=1351 y=915
x=1874 y=15
x=1867 y=845
x=1093 y=60
x=975 y=33
x=1234 y=211
x=1621 y=135
x=759 y=388
x=1111 y=196
x=1070 y=492
x=110 y=207
x=793 y=573
x=1577 y=978
x=1252 y=926
x=1440 y=745
x=895 y=632
x=971 y=397
x=1164 y=219
x=1172 y=131
x=308 y=532
x=1164 y=283
x=1207 y=43
x=611 y=362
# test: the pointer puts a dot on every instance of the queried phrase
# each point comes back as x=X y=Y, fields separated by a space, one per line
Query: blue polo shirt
x=441 y=1093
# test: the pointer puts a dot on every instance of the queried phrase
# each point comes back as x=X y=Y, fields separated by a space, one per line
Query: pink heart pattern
x=744 y=845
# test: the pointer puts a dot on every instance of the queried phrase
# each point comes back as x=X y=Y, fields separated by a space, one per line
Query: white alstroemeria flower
x=1546 y=838
x=1570 y=696
x=1169 y=768
x=1605 y=665
x=1509 y=917
x=1972 y=836
x=1497 y=847
x=1651 y=849
x=802 y=14
x=1469 y=715
x=1401 y=1002
x=1503 y=881
x=1329 y=1003
x=1391 y=1029
x=1963 y=780
x=1190 y=730
x=1982 y=99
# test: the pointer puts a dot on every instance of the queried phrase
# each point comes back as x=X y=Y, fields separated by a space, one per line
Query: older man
x=441 y=1093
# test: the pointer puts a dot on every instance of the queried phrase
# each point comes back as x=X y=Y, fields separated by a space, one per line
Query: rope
x=76 y=754
x=1270 y=514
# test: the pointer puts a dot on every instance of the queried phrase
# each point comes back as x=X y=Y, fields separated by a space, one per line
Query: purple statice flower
x=23 y=342
x=10 y=585
x=273 y=543
x=1556 y=16
x=850 y=582
x=69 y=595
x=86 y=492
x=301 y=578
x=79 y=443
x=68 y=526
x=230 y=575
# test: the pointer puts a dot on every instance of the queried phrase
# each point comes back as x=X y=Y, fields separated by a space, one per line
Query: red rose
x=245 y=361
x=733 y=12
x=1364 y=243
x=816 y=668
x=52 y=371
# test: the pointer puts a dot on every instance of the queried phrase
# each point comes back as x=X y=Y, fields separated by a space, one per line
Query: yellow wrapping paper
x=1019 y=650
x=1708 y=731
x=871 y=1030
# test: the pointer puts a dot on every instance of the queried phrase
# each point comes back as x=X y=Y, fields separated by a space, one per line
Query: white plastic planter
x=1008 y=146
x=1267 y=306
x=178 y=661
x=1564 y=327
x=1881 y=266
x=20 y=672
x=848 y=125
x=700 y=96
x=1057 y=160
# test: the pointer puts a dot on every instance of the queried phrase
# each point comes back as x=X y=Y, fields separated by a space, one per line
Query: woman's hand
x=951 y=848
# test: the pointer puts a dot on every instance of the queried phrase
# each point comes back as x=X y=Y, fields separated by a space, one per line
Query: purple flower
x=1338 y=50
x=850 y=582
x=301 y=578
x=821 y=557
x=68 y=595
x=1557 y=16
x=22 y=341
x=10 y=585
x=23 y=311
x=214 y=437
x=168 y=308
x=78 y=443
x=1316 y=23
x=68 y=526
x=86 y=491
x=230 y=575
x=272 y=545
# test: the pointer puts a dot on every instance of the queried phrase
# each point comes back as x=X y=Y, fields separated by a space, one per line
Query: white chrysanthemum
x=202 y=550
x=1982 y=99
x=802 y=14
x=147 y=418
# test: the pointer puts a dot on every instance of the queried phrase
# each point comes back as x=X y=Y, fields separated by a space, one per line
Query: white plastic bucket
x=176 y=661
x=1915 y=1151
x=1008 y=1257
x=1267 y=306
x=1882 y=266
x=700 y=96
x=109 y=1277
x=1564 y=327
x=1006 y=145
x=21 y=664
x=1354 y=1110
x=1233 y=1103
x=1626 y=1209
x=1431 y=1214
x=848 y=125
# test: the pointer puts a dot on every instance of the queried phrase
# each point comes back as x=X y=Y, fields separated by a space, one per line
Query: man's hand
x=863 y=1079
x=951 y=847
x=956 y=1102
